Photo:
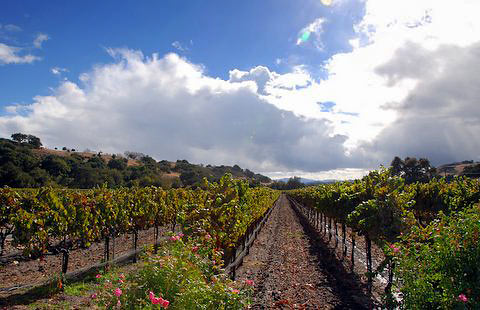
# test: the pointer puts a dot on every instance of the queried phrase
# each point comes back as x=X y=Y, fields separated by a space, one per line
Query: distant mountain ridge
x=309 y=181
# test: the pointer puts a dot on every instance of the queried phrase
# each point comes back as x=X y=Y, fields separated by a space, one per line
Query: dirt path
x=290 y=271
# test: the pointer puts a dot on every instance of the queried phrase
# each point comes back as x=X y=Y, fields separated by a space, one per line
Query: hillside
x=466 y=167
x=23 y=165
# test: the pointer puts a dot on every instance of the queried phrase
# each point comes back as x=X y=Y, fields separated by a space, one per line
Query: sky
x=323 y=89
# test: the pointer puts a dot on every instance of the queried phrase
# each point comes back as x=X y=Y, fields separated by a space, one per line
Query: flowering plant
x=183 y=275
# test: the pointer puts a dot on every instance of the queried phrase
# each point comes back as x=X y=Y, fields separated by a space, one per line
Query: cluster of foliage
x=192 y=175
x=385 y=209
x=472 y=171
x=39 y=219
x=292 y=183
x=29 y=140
x=438 y=265
x=413 y=170
x=24 y=165
x=185 y=274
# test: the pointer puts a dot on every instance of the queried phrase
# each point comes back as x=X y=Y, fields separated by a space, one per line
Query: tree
x=190 y=177
x=34 y=141
x=97 y=163
x=27 y=139
x=472 y=171
x=134 y=155
x=413 y=169
x=148 y=161
x=294 y=183
x=117 y=163
x=55 y=165
x=397 y=166
x=19 y=137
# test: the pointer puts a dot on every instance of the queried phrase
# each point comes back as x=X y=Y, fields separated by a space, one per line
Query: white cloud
x=440 y=118
x=169 y=108
x=335 y=174
x=408 y=87
x=312 y=33
x=58 y=70
x=411 y=54
x=39 y=39
x=11 y=27
x=177 y=45
x=365 y=80
x=10 y=55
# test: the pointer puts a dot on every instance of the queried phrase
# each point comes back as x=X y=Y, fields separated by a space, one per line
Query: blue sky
x=218 y=34
x=232 y=82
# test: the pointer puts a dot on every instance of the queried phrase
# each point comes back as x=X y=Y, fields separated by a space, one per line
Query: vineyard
x=393 y=245
x=429 y=234
x=52 y=221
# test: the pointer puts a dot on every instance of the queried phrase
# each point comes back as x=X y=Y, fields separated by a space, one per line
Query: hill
x=25 y=165
x=466 y=167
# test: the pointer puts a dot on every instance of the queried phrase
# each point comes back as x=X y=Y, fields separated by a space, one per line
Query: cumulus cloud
x=428 y=54
x=406 y=87
x=39 y=39
x=12 y=55
x=169 y=108
x=401 y=49
x=440 y=118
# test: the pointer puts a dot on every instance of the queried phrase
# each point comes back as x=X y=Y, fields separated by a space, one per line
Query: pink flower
x=235 y=291
x=208 y=237
x=249 y=282
x=93 y=296
x=118 y=292
x=165 y=303
x=158 y=300
x=119 y=304
x=195 y=249
x=173 y=238
x=394 y=248
x=98 y=276
x=122 y=276
x=181 y=235
x=120 y=281
x=462 y=298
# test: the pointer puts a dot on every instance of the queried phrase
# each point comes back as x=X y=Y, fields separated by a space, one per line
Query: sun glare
x=327 y=2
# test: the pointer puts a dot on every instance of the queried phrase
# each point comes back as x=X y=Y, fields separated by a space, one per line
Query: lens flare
x=304 y=37
x=327 y=2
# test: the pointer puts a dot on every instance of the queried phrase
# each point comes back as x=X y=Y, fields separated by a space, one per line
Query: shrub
x=181 y=276
x=438 y=266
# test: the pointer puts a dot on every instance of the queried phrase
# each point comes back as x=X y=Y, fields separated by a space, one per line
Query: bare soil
x=17 y=271
x=334 y=246
x=293 y=270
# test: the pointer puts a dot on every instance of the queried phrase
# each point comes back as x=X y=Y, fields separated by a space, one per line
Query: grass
x=49 y=306
x=78 y=289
